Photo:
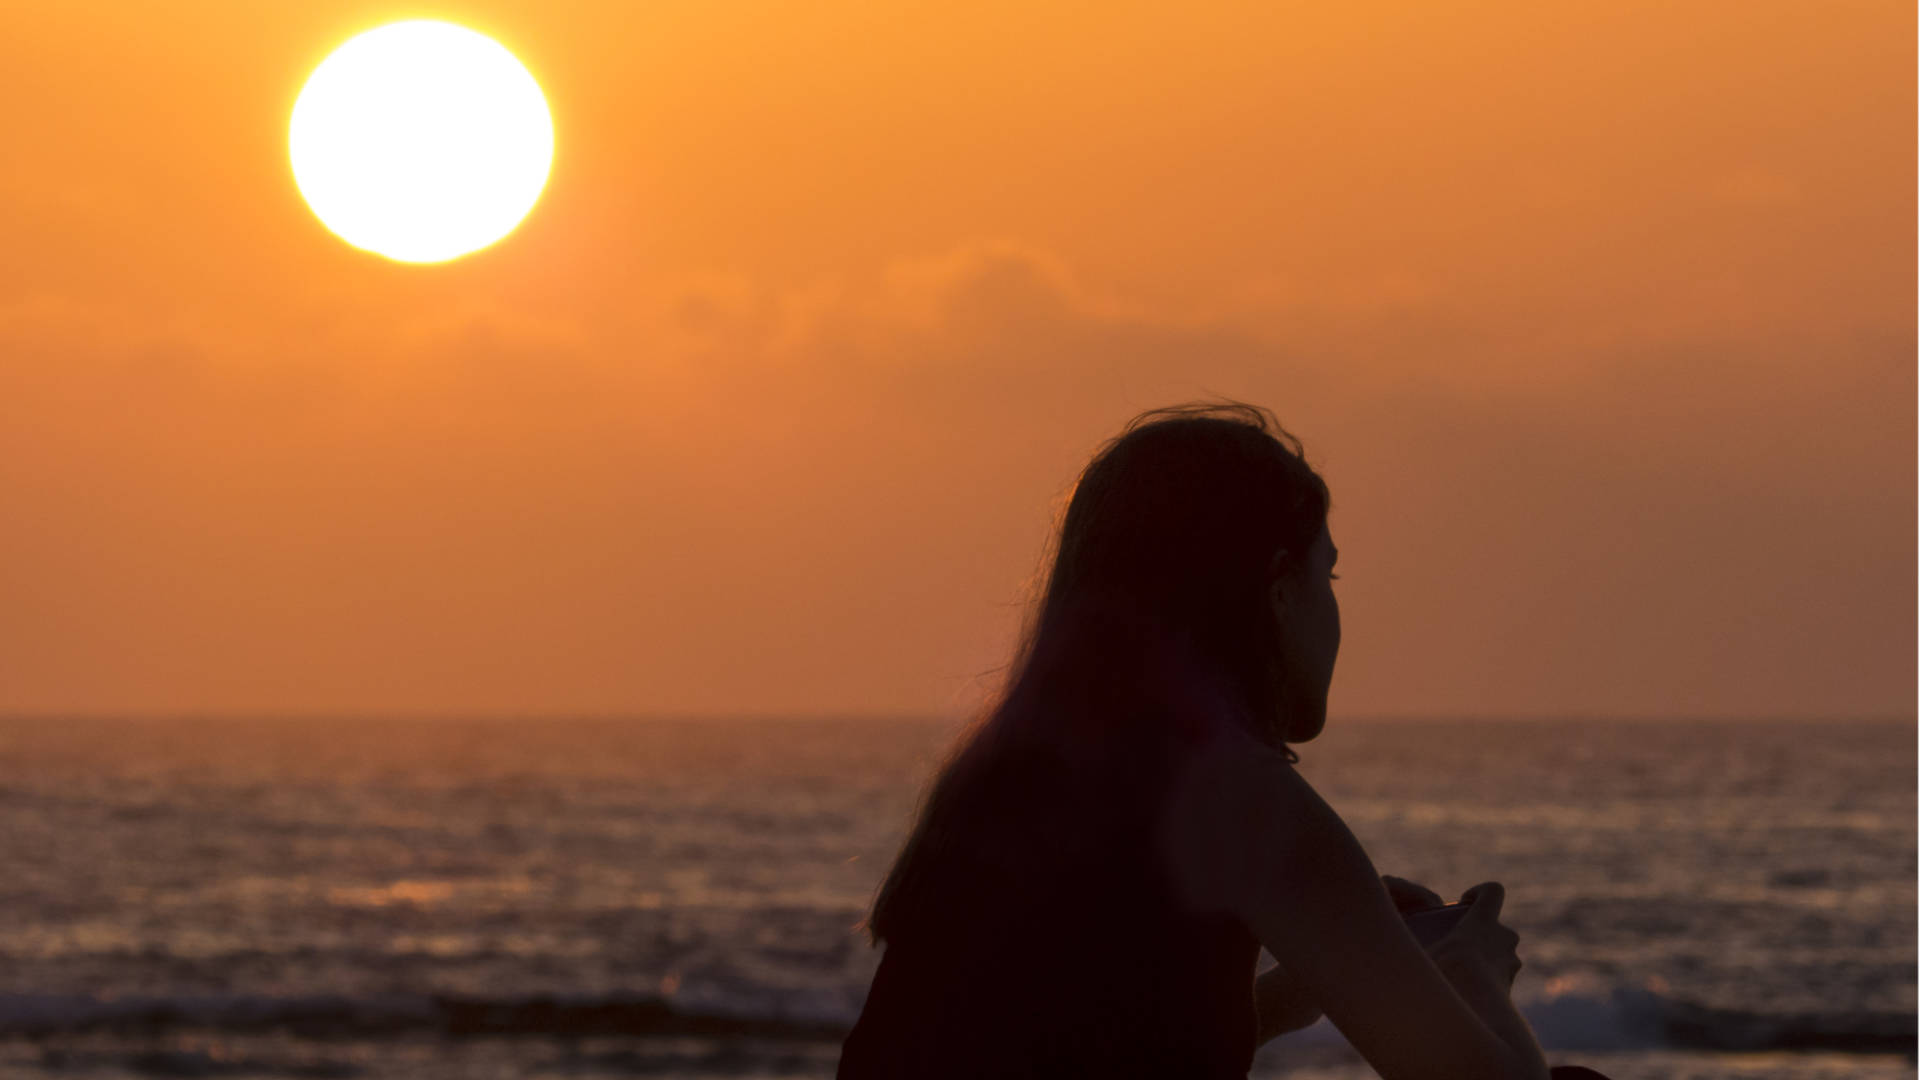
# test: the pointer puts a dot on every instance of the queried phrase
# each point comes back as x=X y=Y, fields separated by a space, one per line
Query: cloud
x=731 y=493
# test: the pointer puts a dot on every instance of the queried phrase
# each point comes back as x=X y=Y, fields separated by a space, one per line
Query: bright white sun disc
x=421 y=141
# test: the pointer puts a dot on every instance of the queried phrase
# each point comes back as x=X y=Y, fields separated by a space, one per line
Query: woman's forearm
x=1282 y=1008
x=1495 y=1008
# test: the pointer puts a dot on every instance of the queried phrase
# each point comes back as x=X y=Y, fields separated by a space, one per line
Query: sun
x=421 y=141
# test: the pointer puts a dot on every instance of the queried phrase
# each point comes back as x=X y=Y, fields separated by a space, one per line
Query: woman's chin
x=1306 y=723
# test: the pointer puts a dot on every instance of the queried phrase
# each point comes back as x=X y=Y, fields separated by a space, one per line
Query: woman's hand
x=1487 y=948
x=1280 y=1005
x=1479 y=947
x=1410 y=896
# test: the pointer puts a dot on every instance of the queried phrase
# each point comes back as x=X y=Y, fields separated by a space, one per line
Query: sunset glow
x=1600 y=319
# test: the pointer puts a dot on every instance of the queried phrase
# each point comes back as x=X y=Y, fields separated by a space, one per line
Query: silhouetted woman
x=1101 y=858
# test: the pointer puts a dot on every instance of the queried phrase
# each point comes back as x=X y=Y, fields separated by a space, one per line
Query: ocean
x=601 y=898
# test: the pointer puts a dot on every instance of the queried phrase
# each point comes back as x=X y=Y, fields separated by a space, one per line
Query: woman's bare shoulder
x=1233 y=802
x=1236 y=767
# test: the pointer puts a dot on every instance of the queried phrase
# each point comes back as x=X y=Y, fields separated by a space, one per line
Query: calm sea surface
x=448 y=898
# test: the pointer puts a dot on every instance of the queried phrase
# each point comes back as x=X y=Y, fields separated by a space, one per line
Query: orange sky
x=1599 y=320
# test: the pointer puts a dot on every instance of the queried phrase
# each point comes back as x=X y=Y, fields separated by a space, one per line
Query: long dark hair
x=1152 y=620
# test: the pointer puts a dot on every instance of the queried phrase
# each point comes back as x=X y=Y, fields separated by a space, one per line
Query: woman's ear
x=1277 y=579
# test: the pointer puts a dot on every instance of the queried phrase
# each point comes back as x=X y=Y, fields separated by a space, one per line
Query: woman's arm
x=1281 y=1005
x=1250 y=835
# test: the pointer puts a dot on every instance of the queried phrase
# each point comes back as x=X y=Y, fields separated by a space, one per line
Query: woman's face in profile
x=1308 y=616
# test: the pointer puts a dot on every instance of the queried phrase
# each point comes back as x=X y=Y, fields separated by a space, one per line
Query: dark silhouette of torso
x=1057 y=949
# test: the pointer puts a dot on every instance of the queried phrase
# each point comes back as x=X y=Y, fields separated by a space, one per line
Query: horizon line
x=903 y=716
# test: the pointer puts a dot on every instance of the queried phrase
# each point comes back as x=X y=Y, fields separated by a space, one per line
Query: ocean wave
x=1635 y=1018
x=340 y=1016
x=1607 y=1019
